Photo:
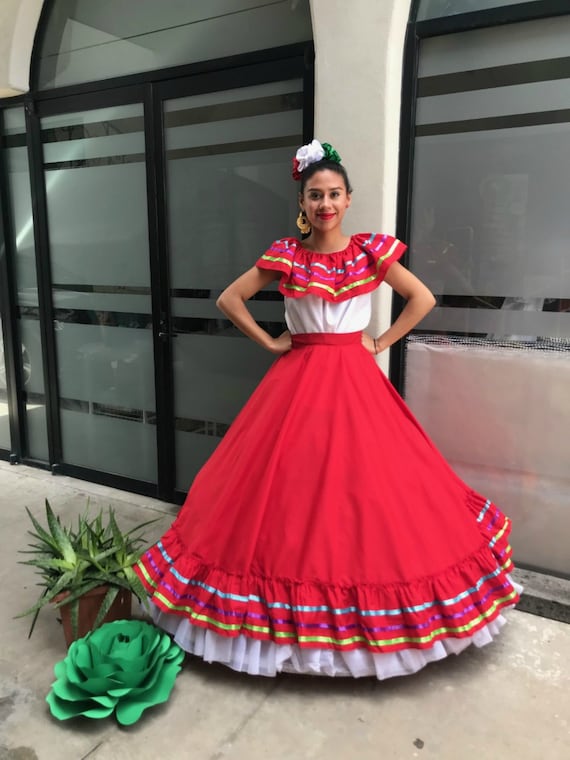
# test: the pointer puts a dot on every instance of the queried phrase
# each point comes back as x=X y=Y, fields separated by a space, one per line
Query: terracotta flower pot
x=89 y=605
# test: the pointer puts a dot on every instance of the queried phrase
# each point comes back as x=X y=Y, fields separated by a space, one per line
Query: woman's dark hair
x=320 y=166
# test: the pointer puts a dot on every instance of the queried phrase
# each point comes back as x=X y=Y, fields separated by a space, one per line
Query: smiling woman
x=326 y=534
x=324 y=199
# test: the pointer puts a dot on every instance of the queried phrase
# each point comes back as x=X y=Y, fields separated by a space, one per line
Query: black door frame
x=150 y=89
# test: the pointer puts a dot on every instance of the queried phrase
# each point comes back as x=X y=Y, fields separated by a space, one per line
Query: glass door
x=227 y=159
x=489 y=236
x=96 y=198
x=155 y=199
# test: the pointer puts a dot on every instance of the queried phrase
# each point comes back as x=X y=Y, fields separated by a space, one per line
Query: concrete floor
x=509 y=700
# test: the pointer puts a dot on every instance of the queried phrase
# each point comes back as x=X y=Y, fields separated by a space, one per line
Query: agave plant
x=72 y=561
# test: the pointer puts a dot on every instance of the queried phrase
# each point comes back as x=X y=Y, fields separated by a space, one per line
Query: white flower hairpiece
x=309 y=154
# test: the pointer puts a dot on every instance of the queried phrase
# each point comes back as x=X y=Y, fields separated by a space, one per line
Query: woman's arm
x=419 y=299
x=232 y=303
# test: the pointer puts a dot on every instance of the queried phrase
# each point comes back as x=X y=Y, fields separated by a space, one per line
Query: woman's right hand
x=282 y=344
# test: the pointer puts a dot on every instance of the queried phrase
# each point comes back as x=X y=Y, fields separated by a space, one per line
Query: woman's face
x=325 y=200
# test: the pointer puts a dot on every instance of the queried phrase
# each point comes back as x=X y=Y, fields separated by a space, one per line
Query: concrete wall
x=359 y=52
x=18 y=24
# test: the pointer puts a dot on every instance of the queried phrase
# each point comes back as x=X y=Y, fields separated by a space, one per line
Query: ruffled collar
x=336 y=276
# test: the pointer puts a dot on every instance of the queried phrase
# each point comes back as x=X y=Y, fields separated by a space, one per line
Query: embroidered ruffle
x=265 y=658
x=335 y=277
x=455 y=603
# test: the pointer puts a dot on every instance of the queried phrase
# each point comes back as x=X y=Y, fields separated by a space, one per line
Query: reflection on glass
x=86 y=40
x=97 y=213
x=228 y=155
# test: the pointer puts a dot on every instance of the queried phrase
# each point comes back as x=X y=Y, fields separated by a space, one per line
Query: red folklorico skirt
x=327 y=523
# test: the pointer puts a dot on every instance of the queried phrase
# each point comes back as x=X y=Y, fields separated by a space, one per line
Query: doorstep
x=545 y=595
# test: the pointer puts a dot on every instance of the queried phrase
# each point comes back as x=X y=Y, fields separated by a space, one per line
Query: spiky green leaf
x=74 y=618
x=137 y=588
x=76 y=559
x=140 y=527
x=86 y=586
x=60 y=535
x=108 y=600
x=41 y=534
x=45 y=563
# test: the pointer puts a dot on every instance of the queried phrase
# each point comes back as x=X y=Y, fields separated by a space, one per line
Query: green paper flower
x=330 y=153
x=122 y=667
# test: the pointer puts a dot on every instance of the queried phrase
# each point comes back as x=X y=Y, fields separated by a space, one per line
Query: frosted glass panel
x=28 y=325
x=490 y=47
x=227 y=185
x=21 y=200
x=97 y=213
x=499 y=101
x=437 y=8
x=110 y=444
x=87 y=41
x=228 y=157
x=214 y=377
x=96 y=189
x=14 y=121
x=527 y=322
x=106 y=364
x=500 y=416
x=490 y=216
x=193 y=449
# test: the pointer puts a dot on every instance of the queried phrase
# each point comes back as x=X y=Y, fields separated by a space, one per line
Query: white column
x=18 y=24
x=358 y=77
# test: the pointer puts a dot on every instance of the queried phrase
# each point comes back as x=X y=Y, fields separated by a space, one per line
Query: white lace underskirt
x=265 y=658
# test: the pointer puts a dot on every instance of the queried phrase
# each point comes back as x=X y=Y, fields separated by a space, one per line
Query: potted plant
x=86 y=570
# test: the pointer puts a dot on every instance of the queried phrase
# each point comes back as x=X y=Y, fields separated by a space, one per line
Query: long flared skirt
x=327 y=534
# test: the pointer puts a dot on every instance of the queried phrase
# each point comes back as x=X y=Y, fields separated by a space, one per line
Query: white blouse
x=312 y=314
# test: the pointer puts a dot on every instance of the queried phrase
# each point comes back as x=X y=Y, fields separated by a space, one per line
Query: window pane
x=438 y=8
x=490 y=232
x=97 y=218
x=228 y=157
x=86 y=41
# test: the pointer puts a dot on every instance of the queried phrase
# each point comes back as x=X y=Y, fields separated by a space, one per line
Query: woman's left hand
x=368 y=343
x=282 y=344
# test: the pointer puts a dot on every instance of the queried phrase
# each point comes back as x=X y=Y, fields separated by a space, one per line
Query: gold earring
x=303 y=223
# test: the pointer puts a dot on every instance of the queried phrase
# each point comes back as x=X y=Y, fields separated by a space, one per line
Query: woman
x=326 y=534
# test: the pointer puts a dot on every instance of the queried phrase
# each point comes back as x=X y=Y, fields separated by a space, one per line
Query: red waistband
x=327 y=339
